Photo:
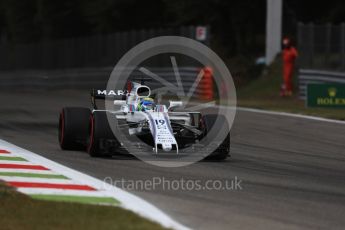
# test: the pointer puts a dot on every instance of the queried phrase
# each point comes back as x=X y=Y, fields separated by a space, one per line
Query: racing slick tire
x=100 y=136
x=223 y=151
x=73 y=128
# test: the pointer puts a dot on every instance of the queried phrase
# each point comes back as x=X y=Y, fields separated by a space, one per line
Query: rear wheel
x=206 y=124
x=73 y=128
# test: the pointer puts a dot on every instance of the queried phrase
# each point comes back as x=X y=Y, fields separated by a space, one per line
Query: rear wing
x=102 y=94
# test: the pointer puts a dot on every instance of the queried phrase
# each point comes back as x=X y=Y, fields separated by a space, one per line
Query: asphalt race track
x=292 y=169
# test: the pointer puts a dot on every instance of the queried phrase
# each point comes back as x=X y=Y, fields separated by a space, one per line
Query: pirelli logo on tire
x=326 y=95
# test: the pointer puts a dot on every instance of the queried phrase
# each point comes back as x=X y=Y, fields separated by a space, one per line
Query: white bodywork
x=157 y=120
x=159 y=125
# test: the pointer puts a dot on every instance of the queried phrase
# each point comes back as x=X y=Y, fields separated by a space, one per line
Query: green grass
x=79 y=199
x=5 y=158
x=33 y=175
x=18 y=211
x=263 y=93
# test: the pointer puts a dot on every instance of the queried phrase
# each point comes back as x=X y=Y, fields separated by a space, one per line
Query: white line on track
x=8 y=155
x=49 y=191
x=29 y=171
x=37 y=180
x=314 y=118
x=18 y=162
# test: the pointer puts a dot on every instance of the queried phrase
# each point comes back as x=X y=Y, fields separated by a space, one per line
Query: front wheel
x=206 y=124
x=101 y=141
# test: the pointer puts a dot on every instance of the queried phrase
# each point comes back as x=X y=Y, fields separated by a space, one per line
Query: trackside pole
x=273 y=29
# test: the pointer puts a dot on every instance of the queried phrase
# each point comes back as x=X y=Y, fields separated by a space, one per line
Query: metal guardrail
x=88 y=78
x=307 y=76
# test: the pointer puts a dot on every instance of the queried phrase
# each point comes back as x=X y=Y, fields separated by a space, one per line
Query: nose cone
x=167 y=147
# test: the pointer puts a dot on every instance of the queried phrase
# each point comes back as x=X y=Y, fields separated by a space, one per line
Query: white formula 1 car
x=158 y=127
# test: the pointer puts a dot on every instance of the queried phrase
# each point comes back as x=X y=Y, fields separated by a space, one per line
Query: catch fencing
x=87 y=62
x=321 y=54
x=84 y=52
x=321 y=46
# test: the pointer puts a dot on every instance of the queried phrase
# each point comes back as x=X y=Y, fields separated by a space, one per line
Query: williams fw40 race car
x=157 y=128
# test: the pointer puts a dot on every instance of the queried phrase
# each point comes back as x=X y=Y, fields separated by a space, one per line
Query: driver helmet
x=146 y=104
